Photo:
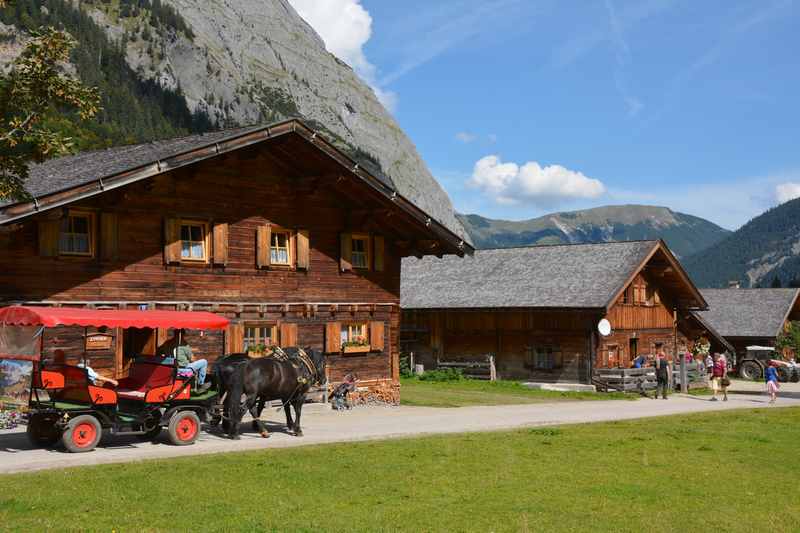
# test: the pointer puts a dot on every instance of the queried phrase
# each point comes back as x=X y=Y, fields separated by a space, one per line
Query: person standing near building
x=719 y=377
x=662 y=375
x=771 y=377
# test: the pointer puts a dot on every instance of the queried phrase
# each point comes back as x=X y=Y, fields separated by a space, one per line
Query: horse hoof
x=236 y=437
x=298 y=433
x=265 y=434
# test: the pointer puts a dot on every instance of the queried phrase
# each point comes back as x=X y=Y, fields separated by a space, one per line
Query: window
x=193 y=241
x=360 y=256
x=258 y=338
x=546 y=357
x=76 y=234
x=627 y=296
x=279 y=248
x=354 y=334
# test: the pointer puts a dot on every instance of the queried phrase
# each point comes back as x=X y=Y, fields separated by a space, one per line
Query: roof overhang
x=21 y=210
x=696 y=303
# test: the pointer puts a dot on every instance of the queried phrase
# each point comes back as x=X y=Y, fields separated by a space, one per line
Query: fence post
x=492 y=369
x=411 y=362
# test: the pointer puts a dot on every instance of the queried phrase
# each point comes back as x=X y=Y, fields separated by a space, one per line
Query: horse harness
x=281 y=355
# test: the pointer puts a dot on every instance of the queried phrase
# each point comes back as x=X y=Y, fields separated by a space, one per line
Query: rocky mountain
x=171 y=66
x=685 y=234
x=765 y=248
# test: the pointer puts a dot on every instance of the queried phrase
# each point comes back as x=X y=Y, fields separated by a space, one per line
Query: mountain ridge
x=685 y=234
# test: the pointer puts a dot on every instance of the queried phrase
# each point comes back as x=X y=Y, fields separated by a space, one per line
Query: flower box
x=356 y=349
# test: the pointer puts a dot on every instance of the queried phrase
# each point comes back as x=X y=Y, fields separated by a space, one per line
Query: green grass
x=731 y=471
x=474 y=392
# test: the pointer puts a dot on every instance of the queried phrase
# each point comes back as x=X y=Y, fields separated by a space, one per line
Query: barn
x=271 y=226
x=746 y=317
x=536 y=309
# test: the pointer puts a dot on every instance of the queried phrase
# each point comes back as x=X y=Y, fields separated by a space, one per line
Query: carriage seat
x=71 y=383
x=150 y=381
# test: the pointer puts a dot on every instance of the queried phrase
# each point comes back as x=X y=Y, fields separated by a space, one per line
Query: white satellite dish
x=604 y=327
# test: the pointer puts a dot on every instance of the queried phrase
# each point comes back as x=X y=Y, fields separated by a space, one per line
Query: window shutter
x=376 y=336
x=48 y=237
x=333 y=337
x=346 y=260
x=234 y=338
x=220 y=244
x=378 y=253
x=288 y=335
x=263 y=238
x=109 y=236
x=172 y=241
x=303 y=250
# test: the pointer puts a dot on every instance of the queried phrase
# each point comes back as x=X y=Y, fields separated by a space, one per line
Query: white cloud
x=346 y=26
x=465 y=137
x=509 y=183
x=787 y=191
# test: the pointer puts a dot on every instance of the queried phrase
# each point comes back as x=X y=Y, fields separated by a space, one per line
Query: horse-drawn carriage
x=65 y=404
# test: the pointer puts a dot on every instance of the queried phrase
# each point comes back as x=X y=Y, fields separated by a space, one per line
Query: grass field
x=474 y=392
x=729 y=471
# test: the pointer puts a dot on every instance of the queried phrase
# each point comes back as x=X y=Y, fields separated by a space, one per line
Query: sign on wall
x=99 y=341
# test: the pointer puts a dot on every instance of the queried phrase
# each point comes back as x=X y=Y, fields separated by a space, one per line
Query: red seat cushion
x=144 y=376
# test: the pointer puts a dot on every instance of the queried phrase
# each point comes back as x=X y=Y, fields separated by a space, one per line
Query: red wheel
x=184 y=428
x=82 y=434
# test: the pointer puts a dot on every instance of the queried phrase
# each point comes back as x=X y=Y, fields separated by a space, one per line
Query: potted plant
x=356 y=345
x=258 y=350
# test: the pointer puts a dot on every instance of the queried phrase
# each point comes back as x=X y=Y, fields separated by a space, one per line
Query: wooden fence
x=480 y=369
x=644 y=379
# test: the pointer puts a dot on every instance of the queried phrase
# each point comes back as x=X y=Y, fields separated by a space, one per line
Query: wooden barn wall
x=244 y=193
x=512 y=336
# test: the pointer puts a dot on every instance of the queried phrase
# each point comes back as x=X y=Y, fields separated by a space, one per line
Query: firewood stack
x=382 y=393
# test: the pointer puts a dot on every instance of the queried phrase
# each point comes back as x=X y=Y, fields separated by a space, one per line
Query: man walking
x=662 y=375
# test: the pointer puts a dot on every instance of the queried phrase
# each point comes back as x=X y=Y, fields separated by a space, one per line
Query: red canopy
x=112 y=318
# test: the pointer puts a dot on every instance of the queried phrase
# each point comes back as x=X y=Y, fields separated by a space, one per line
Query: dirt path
x=16 y=455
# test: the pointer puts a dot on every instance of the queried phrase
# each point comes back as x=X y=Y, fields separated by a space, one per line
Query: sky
x=525 y=107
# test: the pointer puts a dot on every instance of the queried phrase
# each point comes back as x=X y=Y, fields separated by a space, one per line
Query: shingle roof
x=571 y=276
x=85 y=167
x=68 y=172
x=747 y=312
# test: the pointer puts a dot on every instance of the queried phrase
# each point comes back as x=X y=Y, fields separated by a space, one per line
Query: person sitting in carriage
x=190 y=366
x=60 y=358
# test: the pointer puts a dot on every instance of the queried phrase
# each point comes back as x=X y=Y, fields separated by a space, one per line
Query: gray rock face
x=258 y=61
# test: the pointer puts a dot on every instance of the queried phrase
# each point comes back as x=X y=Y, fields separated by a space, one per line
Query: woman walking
x=719 y=377
x=771 y=376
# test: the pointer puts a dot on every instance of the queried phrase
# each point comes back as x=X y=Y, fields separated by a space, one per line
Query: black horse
x=286 y=375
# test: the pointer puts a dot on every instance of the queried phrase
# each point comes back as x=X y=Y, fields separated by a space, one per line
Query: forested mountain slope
x=766 y=247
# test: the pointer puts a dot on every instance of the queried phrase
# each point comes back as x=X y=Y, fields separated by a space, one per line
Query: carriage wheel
x=42 y=431
x=184 y=428
x=82 y=434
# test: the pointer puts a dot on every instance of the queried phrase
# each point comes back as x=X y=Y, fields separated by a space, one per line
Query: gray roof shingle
x=747 y=312
x=570 y=276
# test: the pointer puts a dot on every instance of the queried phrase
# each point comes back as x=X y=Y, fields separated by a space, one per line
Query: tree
x=37 y=89
x=776 y=282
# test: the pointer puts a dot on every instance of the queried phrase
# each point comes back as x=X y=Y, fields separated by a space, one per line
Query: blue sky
x=521 y=108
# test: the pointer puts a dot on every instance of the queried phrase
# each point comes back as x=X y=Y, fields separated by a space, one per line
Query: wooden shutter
x=379 y=249
x=346 y=257
x=109 y=236
x=172 y=240
x=220 y=244
x=263 y=239
x=48 y=237
x=333 y=337
x=303 y=250
x=376 y=336
x=234 y=338
x=288 y=335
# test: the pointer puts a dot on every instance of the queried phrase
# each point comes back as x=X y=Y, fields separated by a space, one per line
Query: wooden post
x=492 y=369
x=411 y=362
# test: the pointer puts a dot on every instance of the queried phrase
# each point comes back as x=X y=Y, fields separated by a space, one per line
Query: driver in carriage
x=178 y=348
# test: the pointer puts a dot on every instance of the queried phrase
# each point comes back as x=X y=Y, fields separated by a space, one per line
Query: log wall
x=242 y=193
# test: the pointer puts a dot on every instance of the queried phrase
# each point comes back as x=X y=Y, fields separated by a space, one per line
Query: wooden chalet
x=746 y=317
x=271 y=226
x=536 y=309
